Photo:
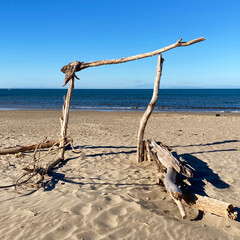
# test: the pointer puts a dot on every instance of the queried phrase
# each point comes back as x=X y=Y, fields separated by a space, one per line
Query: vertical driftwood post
x=64 y=119
x=64 y=125
x=146 y=115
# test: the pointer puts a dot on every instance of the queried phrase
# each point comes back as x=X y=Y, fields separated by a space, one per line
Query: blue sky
x=39 y=37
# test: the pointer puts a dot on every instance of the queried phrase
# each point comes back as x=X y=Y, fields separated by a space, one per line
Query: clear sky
x=37 y=38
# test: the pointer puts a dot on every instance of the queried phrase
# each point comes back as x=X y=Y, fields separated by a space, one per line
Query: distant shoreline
x=133 y=88
x=119 y=112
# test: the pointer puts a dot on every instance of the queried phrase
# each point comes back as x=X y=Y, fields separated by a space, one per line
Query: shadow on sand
x=202 y=173
x=208 y=144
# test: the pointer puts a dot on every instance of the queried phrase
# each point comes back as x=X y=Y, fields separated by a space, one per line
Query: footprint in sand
x=106 y=220
x=112 y=199
x=118 y=211
x=113 y=208
x=81 y=209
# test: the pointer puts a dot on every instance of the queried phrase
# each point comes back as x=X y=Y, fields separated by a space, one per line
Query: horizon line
x=177 y=88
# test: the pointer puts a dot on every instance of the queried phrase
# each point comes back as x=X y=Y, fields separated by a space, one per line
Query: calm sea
x=201 y=100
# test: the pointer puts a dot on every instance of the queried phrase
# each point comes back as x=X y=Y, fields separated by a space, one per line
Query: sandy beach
x=103 y=193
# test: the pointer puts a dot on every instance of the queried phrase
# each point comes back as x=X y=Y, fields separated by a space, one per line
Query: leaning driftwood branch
x=148 y=112
x=17 y=149
x=32 y=168
x=76 y=66
x=173 y=166
x=174 y=190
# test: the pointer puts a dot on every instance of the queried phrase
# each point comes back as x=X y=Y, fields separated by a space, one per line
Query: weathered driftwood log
x=76 y=66
x=211 y=205
x=17 y=149
x=152 y=157
x=168 y=160
x=148 y=112
x=173 y=167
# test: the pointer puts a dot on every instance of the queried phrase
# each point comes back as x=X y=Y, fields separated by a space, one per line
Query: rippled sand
x=103 y=193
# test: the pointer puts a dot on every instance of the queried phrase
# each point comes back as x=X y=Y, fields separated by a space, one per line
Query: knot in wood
x=70 y=70
x=69 y=67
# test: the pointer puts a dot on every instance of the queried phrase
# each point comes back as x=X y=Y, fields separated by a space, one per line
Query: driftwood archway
x=148 y=149
x=76 y=66
x=70 y=74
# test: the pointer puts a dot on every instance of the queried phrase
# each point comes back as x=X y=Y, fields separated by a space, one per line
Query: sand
x=103 y=193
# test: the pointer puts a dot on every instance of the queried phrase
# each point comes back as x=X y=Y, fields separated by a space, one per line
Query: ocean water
x=189 y=100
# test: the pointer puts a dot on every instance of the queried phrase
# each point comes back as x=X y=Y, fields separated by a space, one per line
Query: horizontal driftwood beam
x=83 y=65
x=77 y=66
x=144 y=55
x=17 y=149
